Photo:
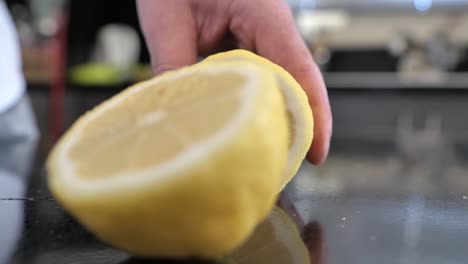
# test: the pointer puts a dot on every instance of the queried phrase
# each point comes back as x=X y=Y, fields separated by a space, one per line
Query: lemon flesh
x=301 y=123
x=184 y=164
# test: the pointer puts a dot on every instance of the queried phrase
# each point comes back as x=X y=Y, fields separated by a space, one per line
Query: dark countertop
x=35 y=229
x=370 y=203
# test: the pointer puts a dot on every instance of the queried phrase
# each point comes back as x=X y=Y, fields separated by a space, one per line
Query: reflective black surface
x=400 y=200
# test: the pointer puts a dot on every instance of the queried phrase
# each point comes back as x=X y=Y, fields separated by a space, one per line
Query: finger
x=270 y=30
x=225 y=43
x=170 y=33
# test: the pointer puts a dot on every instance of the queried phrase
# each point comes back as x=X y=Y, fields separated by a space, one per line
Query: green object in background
x=94 y=74
x=141 y=72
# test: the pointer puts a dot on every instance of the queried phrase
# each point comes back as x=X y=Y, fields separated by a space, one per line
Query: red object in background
x=58 y=49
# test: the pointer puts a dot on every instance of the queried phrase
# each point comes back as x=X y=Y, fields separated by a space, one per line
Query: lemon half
x=301 y=123
x=184 y=164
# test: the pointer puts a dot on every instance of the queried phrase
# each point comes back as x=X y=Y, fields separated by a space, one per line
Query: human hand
x=178 y=31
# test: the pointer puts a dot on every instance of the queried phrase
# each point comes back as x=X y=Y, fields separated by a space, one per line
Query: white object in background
x=310 y=23
x=117 y=45
x=11 y=214
x=12 y=84
x=19 y=138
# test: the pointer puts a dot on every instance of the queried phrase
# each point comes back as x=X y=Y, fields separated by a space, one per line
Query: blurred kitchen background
x=395 y=69
x=384 y=61
x=397 y=77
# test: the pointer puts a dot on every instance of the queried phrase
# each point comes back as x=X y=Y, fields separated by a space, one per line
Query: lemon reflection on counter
x=276 y=240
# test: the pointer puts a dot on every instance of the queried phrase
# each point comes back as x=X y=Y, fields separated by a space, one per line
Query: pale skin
x=177 y=32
